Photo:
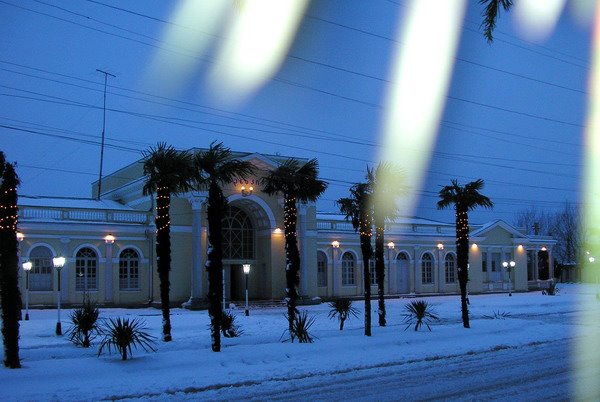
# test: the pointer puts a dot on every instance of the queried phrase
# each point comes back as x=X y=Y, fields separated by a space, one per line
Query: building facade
x=108 y=243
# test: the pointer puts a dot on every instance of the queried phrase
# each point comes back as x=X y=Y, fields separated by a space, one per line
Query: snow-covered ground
x=258 y=363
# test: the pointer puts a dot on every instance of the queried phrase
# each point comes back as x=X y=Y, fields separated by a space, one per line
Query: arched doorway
x=402 y=273
x=238 y=248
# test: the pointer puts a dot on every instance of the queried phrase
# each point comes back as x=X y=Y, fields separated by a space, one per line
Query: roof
x=407 y=220
x=71 y=203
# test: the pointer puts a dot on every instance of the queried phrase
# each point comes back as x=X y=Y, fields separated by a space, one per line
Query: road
x=532 y=372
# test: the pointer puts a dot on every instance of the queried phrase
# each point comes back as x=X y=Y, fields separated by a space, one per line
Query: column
x=536 y=268
x=108 y=280
x=64 y=272
x=195 y=301
x=334 y=271
x=303 y=249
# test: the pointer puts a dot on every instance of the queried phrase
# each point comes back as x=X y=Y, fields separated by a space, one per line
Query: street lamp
x=27 y=267
x=591 y=260
x=509 y=266
x=247 y=273
x=59 y=263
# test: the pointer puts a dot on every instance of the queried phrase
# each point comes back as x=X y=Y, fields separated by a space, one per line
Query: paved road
x=534 y=372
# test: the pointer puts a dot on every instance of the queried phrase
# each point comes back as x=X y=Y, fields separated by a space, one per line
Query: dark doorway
x=236 y=283
x=543 y=265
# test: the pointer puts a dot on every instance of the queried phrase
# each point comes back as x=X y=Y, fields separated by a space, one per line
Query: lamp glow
x=335 y=244
x=440 y=246
x=20 y=236
x=391 y=245
x=27 y=266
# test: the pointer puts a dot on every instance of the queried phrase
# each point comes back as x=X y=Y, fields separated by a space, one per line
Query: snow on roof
x=71 y=203
x=407 y=220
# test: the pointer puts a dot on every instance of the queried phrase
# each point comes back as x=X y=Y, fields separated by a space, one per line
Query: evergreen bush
x=229 y=328
x=123 y=333
x=300 y=327
x=85 y=323
x=342 y=309
x=419 y=312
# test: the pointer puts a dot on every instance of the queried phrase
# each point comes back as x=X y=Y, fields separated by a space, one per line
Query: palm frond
x=490 y=14
x=168 y=167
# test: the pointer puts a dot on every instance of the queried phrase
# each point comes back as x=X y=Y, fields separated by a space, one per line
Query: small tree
x=342 y=309
x=387 y=182
x=124 y=333
x=464 y=200
x=10 y=296
x=295 y=182
x=214 y=168
x=358 y=210
x=168 y=172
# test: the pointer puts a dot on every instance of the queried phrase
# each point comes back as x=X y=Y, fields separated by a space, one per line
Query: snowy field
x=540 y=329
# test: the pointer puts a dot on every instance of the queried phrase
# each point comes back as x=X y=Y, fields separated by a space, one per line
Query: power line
x=288 y=82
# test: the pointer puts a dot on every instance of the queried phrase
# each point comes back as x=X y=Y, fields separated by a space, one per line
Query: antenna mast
x=106 y=74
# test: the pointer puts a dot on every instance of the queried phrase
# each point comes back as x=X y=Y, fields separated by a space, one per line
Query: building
x=109 y=247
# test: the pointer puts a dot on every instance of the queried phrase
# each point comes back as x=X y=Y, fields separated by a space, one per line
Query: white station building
x=108 y=244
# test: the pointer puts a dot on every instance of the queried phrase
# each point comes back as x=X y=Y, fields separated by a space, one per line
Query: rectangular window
x=484 y=261
x=322 y=273
x=129 y=277
x=85 y=276
x=348 y=273
x=40 y=277
x=496 y=262
x=372 y=272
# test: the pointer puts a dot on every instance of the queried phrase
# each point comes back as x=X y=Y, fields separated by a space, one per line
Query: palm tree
x=167 y=172
x=464 y=199
x=357 y=209
x=214 y=168
x=296 y=182
x=387 y=182
x=490 y=14
x=10 y=296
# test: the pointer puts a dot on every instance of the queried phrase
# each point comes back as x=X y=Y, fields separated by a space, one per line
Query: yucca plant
x=123 y=333
x=342 y=309
x=300 y=327
x=552 y=289
x=229 y=328
x=498 y=315
x=419 y=312
x=85 y=324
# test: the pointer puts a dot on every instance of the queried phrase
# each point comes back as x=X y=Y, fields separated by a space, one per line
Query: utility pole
x=106 y=74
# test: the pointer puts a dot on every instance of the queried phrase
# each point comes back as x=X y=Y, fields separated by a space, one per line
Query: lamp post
x=27 y=267
x=246 y=268
x=59 y=263
x=592 y=260
x=390 y=247
x=509 y=266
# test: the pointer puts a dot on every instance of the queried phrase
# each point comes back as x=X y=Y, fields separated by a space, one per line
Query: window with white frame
x=372 y=271
x=450 y=268
x=129 y=270
x=321 y=269
x=348 y=266
x=40 y=276
x=427 y=268
x=238 y=235
x=86 y=270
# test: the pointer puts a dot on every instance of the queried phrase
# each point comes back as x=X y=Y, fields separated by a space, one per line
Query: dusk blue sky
x=514 y=115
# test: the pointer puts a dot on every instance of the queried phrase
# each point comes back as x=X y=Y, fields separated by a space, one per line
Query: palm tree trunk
x=367 y=251
x=292 y=256
x=214 y=262
x=380 y=269
x=9 y=288
x=462 y=256
x=163 y=255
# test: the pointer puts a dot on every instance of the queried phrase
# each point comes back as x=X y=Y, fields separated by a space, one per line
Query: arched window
x=427 y=268
x=86 y=270
x=129 y=272
x=450 y=268
x=238 y=236
x=348 y=264
x=402 y=257
x=372 y=271
x=321 y=269
x=40 y=276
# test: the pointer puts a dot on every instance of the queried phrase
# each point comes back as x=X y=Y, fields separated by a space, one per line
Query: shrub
x=85 y=324
x=229 y=328
x=419 y=312
x=122 y=334
x=342 y=309
x=498 y=315
x=552 y=289
x=300 y=327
